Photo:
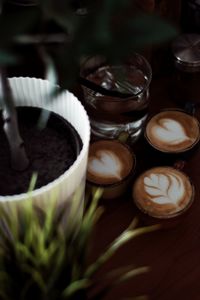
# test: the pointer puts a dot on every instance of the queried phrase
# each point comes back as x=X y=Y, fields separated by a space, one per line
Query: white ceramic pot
x=35 y=92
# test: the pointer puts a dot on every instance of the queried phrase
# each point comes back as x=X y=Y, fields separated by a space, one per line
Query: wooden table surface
x=173 y=253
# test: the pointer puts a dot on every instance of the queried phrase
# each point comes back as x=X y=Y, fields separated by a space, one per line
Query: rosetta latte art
x=164 y=189
x=105 y=164
x=170 y=131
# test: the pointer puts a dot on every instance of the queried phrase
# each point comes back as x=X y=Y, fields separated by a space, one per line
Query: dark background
x=173 y=253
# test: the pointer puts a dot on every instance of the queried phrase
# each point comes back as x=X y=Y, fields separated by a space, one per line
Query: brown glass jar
x=186 y=80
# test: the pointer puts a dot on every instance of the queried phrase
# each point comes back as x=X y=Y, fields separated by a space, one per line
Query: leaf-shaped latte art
x=164 y=189
x=170 y=131
x=105 y=164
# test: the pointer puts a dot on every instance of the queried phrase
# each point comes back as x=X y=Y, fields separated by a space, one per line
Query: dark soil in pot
x=51 y=151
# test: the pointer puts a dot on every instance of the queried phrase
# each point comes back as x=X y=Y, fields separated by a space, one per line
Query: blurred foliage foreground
x=64 y=31
x=44 y=256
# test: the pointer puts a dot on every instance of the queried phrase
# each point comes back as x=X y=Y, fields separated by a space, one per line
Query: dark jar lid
x=186 y=51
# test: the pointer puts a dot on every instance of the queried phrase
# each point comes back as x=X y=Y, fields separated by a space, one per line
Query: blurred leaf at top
x=7 y=58
x=15 y=23
x=114 y=28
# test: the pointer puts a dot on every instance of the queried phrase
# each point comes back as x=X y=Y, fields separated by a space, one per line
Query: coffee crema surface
x=109 y=162
x=173 y=131
x=163 y=192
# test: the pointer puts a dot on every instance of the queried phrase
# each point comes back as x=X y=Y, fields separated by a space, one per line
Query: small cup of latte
x=172 y=131
x=163 y=192
x=111 y=165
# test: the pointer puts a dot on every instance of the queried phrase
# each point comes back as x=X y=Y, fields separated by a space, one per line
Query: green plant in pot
x=39 y=260
x=45 y=147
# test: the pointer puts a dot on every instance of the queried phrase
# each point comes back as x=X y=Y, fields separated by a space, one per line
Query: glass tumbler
x=112 y=115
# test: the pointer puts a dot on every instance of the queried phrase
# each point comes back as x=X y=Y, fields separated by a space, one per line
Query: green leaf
x=126 y=236
x=130 y=274
x=58 y=263
x=7 y=58
x=9 y=224
x=24 y=253
x=150 y=29
x=43 y=119
x=69 y=23
x=15 y=23
x=118 y=272
x=36 y=276
x=76 y=286
x=32 y=183
x=121 y=279
x=50 y=68
x=26 y=289
x=91 y=217
x=49 y=219
x=74 y=208
x=51 y=76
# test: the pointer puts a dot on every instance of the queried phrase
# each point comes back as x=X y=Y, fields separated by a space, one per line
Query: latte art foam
x=164 y=189
x=105 y=164
x=110 y=161
x=163 y=192
x=172 y=131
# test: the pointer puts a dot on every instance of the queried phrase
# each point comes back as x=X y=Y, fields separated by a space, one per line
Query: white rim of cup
x=165 y=151
x=180 y=212
x=131 y=173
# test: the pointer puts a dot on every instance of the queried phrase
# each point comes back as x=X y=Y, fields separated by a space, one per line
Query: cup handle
x=180 y=165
